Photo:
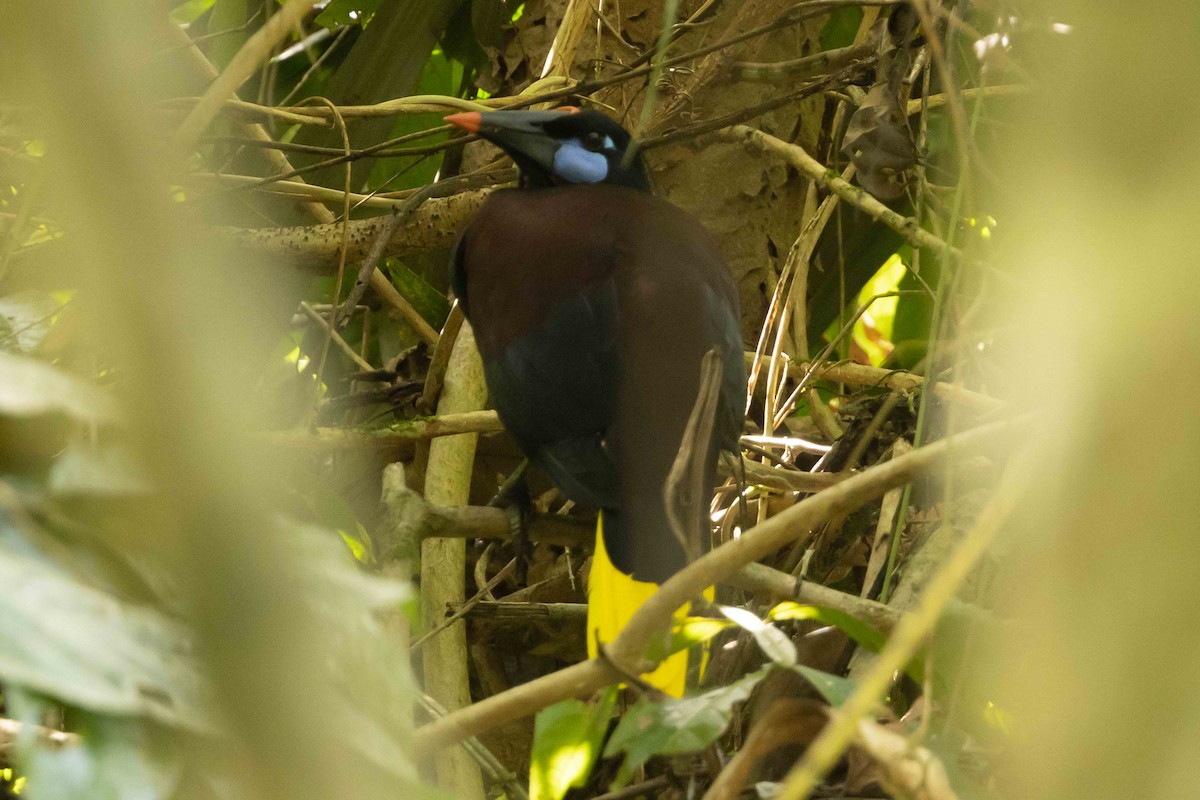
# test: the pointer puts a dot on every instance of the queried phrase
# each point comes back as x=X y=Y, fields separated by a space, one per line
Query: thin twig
x=316 y=64
x=645 y=788
x=331 y=328
x=964 y=139
x=791 y=525
x=743 y=114
x=465 y=608
x=319 y=150
x=827 y=60
x=436 y=374
x=384 y=237
x=827 y=350
x=397 y=218
x=910 y=632
x=12 y=731
x=324 y=194
x=243 y=65
x=408 y=430
x=525 y=612
x=939 y=100
x=795 y=16
x=488 y=422
x=195 y=40
x=30 y=326
x=335 y=337
x=793 y=278
x=207 y=70
x=795 y=155
x=868 y=435
x=482 y=755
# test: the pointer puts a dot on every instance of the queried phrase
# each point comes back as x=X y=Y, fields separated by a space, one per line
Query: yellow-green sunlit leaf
x=566 y=743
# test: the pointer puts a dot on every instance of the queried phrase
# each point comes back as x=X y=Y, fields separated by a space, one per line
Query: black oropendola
x=593 y=304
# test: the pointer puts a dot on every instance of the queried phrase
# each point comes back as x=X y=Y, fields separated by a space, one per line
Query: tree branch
x=910 y=632
x=253 y=52
x=826 y=178
x=403 y=431
x=12 y=731
x=313 y=248
x=793 y=525
x=899 y=380
x=443 y=561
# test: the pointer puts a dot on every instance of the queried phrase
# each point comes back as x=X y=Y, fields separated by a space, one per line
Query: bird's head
x=564 y=146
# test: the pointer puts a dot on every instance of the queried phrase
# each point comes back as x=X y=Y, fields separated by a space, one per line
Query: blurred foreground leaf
x=29 y=387
x=25 y=320
x=116 y=759
x=91 y=649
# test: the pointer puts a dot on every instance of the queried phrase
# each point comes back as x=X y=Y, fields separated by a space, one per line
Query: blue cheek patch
x=573 y=164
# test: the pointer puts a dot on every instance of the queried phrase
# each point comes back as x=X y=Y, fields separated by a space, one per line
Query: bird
x=594 y=303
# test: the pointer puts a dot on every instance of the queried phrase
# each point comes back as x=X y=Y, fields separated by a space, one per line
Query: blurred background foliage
x=191 y=608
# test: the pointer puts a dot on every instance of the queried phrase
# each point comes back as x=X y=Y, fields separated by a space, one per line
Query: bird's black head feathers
x=565 y=146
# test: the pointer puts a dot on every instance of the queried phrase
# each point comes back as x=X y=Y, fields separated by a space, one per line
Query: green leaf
x=459 y=41
x=347 y=12
x=439 y=75
x=428 y=301
x=691 y=631
x=685 y=632
x=189 y=12
x=229 y=17
x=340 y=589
x=387 y=61
x=330 y=509
x=567 y=738
x=866 y=246
x=675 y=727
x=29 y=388
x=116 y=759
x=25 y=320
x=856 y=629
x=835 y=689
x=488 y=18
x=914 y=312
x=774 y=643
x=841 y=28
x=967 y=653
x=92 y=650
x=91 y=469
x=862 y=633
x=367 y=670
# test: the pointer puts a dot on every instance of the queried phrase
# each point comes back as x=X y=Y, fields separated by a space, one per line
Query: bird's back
x=593 y=307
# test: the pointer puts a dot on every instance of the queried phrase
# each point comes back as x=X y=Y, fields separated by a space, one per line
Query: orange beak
x=467 y=120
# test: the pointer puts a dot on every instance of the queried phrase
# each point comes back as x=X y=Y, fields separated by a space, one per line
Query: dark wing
x=555 y=390
x=677 y=303
x=545 y=315
x=593 y=308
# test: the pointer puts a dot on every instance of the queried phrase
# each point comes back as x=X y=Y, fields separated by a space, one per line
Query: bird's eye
x=594 y=141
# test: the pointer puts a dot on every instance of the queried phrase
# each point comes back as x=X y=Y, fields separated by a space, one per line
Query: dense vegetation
x=246 y=455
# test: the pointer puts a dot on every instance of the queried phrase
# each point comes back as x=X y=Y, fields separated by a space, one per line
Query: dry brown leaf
x=906 y=770
x=790 y=722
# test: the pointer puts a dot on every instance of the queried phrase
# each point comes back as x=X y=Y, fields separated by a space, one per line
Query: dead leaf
x=790 y=722
x=903 y=768
x=879 y=143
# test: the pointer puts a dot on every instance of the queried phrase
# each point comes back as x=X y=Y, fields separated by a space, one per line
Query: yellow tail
x=613 y=597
